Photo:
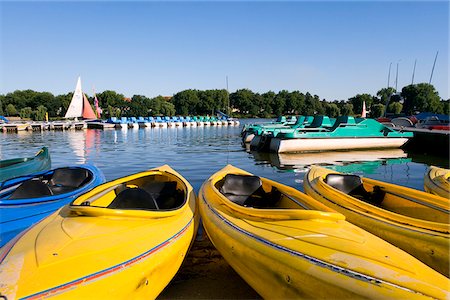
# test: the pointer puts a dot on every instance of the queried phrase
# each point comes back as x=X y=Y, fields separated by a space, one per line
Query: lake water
x=198 y=152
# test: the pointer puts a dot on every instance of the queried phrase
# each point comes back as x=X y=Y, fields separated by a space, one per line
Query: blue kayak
x=16 y=167
x=28 y=199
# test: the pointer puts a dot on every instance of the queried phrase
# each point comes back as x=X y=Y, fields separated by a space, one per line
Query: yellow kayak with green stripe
x=412 y=220
x=437 y=181
x=124 y=239
x=287 y=245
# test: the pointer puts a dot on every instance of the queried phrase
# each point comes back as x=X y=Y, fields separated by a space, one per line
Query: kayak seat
x=353 y=186
x=72 y=177
x=65 y=180
x=133 y=198
x=165 y=193
x=262 y=199
x=246 y=190
x=31 y=189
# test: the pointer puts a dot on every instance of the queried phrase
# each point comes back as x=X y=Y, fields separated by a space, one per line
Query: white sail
x=75 y=109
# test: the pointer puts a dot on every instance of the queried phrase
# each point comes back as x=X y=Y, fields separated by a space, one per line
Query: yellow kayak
x=287 y=245
x=124 y=239
x=412 y=220
x=437 y=181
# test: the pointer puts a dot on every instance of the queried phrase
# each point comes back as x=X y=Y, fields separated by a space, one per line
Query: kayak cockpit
x=394 y=200
x=254 y=192
x=153 y=192
x=248 y=191
x=56 y=182
x=353 y=186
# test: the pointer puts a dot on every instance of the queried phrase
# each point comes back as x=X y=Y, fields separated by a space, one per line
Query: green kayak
x=16 y=167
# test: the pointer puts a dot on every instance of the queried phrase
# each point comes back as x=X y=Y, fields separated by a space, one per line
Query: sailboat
x=79 y=107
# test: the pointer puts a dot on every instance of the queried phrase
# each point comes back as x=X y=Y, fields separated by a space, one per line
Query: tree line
x=29 y=104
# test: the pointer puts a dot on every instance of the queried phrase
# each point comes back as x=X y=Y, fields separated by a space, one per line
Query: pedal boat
x=287 y=245
x=346 y=133
x=124 y=239
x=249 y=131
x=412 y=220
x=10 y=168
x=28 y=199
x=437 y=181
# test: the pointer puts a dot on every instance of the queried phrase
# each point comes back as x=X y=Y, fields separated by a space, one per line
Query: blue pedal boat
x=28 y=199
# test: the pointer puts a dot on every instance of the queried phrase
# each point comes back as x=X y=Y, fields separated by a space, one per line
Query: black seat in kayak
x=72 y=177
x=165 y=193
x=247 y=190
x=31 y=189
x=353 y=186
x=67 y=179
x=344 y=182
x=134 y=198
x=238 y=188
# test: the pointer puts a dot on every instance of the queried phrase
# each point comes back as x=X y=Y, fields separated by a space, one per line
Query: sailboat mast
x=228 y=98
x=414 y=71
x=389 y=75
x=432 y=70
x=396 y=79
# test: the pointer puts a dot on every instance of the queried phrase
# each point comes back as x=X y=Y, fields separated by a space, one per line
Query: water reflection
x=342 y=161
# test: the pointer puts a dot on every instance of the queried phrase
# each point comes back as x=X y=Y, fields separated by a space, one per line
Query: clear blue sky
x=333 y=49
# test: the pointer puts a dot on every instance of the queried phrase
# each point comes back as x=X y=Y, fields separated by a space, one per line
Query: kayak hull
x=436 y=181
x=97 y=251
x=22 y=166
x=19 y=214
x=422 y=230
x=303 y=253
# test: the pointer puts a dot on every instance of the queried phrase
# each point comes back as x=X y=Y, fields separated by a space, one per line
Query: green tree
x=384 y=95
x=347 y=109
x=114 y=112
x=312 y=105
x=206 y=103
x=421 y=97
x=358 y=100
x=11 y=110
x=60 y=104
x=295 y=102
x=332 y=110
x=44 y=99
x=21 y=99
x=186 y=102
x=267 y=102
x=377 y=110
x=139 y=106
x=244 y=101
x=112 y=98
x=39 y=114
x=154 y=106
x=167 y=109
x=395 y=107
x=26 y=112
x=446 y=107
x=2 y=100
x=279 y=103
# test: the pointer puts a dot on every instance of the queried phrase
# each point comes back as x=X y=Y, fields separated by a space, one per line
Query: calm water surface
x=198 y=152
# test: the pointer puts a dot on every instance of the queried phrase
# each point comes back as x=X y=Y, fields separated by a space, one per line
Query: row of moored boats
x=68 y=233
x=321 y=133
x=174 y=121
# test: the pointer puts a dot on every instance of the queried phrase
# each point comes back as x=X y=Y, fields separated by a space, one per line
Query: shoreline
x=205 y=274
